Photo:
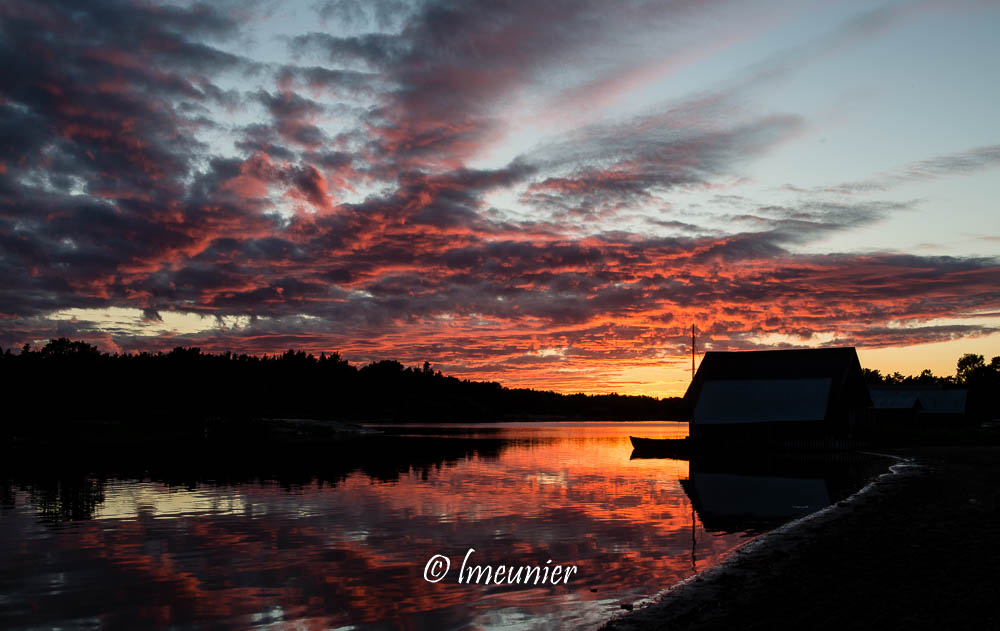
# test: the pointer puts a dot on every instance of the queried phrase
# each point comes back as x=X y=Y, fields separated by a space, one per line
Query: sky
x=545 y=194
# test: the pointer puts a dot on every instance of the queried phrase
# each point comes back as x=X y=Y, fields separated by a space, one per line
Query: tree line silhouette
x=970 y=371
x=74 y=380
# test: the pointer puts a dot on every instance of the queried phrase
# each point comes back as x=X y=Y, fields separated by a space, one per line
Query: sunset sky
x=543 y=193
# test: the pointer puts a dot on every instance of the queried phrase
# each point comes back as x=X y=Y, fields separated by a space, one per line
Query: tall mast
x=692 y=352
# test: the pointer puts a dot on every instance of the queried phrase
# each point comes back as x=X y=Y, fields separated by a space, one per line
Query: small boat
x=662 y=447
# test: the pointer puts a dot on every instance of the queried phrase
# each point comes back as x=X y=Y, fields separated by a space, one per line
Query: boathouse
x=778 y=396
x=907 y=406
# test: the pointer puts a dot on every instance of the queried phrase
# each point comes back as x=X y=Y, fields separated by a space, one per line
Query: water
x=340 y=539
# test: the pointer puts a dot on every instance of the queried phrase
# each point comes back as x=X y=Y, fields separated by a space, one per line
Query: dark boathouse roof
x=784 y=385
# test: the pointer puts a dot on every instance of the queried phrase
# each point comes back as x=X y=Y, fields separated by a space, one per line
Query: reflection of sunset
x=326 y=555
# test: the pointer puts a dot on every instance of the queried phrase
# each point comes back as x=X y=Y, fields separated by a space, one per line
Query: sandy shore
x=918 y=549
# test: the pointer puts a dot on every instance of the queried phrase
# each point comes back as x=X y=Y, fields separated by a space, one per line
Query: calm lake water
x=340 y=539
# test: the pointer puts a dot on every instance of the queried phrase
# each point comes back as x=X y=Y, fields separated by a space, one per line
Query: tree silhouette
x=968 y=365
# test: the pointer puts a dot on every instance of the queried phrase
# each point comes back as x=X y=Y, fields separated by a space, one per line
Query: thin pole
x=694 y=540
x=692 y=352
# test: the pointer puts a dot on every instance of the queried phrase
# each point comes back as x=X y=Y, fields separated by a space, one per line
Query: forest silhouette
x=74 y=380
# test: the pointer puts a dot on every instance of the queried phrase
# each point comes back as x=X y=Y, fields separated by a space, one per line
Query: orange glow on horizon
x=670 y=377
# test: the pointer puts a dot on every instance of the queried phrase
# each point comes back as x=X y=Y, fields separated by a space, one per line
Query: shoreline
x=832 y=554
x=684 y=593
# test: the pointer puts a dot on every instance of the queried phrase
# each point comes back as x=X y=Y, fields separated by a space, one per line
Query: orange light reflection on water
x=354 y=553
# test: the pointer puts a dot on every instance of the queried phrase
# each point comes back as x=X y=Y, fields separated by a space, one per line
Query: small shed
x=778 y=395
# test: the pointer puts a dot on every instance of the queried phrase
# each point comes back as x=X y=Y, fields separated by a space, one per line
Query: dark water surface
x=339 y=538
